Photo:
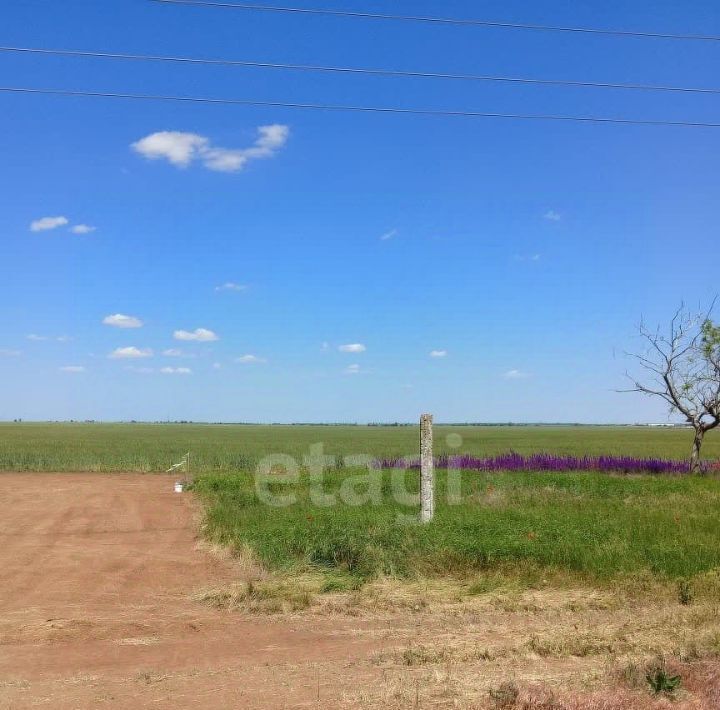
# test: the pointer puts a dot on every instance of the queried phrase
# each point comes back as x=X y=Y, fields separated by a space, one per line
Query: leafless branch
x=684 y=369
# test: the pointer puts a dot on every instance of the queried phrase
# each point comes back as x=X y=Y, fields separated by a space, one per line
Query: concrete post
x=427 y=473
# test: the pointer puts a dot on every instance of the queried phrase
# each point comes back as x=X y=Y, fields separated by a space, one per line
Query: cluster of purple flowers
x=546 y=462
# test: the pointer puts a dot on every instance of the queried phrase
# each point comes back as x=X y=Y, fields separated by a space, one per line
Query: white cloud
x=217 y=366
x=270 y=139
x=121 y=321
x=42 y=338
x=130 y=352
x=552 y=215
x=250 y=360
x=182 y=149
x=82 y=229
x=176 y=147
x=516 y=375
x=9 y=352
x=223 y=160
x=231 y=286
x=438 y=353
x=389 y=235
x=72 y=368
x=176 y=370
x=352 y=370
x=46 y=223
x=352 y=348
x=201 y=335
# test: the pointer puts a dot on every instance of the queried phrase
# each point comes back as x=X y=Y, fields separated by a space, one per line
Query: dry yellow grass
x=562 y=645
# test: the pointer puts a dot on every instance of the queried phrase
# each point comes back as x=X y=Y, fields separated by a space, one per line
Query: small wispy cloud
x=552 y=216
x=200 y=335
x=43 y=338
x=45 y=224
x=176 y=371
x=139 y=370
x=217 y=366
x=82 y=229
x=388 y=235
x=118 y=320
x=72 y=368
x=10 y=352
x=231 y=286
x=352 y=348
x=352 y=370
x=438 y=353
x=250 y=360
x=516 y=375
x=181 y=149
x=528 y=257
x=130 y=353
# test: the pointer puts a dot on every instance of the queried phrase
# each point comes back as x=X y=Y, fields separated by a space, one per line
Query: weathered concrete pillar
x=427 y=472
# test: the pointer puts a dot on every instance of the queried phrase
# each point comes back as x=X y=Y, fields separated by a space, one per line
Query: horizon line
x=338 y=424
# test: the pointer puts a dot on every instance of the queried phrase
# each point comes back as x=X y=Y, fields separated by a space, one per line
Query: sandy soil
x=97 y=579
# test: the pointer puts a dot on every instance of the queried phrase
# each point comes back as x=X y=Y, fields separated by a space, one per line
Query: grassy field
x=597 y=525
x=227 y=448
x=591 y=524
x=528 y=590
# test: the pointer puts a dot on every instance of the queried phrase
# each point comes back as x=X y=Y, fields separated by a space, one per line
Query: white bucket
x=179 y=487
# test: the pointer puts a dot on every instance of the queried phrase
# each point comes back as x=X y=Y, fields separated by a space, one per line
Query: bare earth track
x=97 y=577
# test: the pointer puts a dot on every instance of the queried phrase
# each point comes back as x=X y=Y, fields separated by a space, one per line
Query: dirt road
x=97 y=579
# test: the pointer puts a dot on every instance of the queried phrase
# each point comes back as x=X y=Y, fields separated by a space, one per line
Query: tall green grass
x=593 y=524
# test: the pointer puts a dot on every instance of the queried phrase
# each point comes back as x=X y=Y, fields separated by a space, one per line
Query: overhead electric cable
x=441 y=20
x=357 y=109
x=354 y=70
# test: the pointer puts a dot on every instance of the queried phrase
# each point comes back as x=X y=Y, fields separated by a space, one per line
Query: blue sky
x=521 y=254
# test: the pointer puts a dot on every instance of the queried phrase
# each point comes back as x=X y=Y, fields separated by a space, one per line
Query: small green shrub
x=661 y=682
x=685 y=592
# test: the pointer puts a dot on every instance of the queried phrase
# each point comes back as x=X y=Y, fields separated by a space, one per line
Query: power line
x=441 y=20
x=358 y=109
x=356 y=70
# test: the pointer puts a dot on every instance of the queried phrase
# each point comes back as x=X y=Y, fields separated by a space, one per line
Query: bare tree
x=683 y=367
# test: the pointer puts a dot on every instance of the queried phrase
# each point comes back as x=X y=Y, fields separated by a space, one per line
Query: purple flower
x=545 y=462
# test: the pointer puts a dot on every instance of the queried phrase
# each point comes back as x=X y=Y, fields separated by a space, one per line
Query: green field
x=228 y=448
x=593 y=524
x=597 y=525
